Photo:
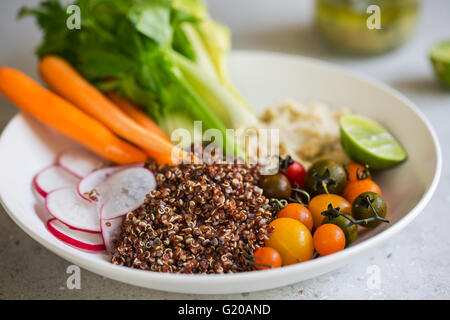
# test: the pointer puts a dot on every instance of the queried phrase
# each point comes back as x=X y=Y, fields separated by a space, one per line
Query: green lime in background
x=366 y=141
x=440 y=58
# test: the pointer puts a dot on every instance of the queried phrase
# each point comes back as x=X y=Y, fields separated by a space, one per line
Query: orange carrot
x=136 y=114
x=144 y=121
x=67 y=82
x=65 y=118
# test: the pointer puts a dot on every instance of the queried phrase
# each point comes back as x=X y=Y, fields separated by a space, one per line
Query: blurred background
x=414 y=264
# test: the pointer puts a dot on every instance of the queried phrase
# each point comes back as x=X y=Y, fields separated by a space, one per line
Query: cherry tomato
x=292 y=240
x=363 y=210
x=320 y=203
x=276 y=186
x=328 y=239
x=298 y=212
x=325 y=176
x=296 y=174
x=350 y=230
x=266 y=256
x=355 y=188
x=356 y=171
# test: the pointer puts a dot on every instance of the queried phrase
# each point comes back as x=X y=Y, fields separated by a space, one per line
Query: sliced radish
x=68 y=207
x=125 y=191
x=94 y=179
x=111 y=231
x=52 y=178
x=80 y=162
x=78 y=239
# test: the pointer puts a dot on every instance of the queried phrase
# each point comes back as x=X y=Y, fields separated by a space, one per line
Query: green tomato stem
x=297 y=199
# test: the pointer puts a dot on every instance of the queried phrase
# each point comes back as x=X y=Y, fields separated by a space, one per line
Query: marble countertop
x=414 y=264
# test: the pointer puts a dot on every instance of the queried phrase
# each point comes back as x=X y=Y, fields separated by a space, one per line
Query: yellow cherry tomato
x=320 y=203
x=292 y=240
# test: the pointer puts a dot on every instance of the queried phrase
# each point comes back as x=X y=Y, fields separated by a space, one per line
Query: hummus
x=307 y=132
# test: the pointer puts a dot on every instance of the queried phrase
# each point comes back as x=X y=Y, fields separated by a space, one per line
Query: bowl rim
x=186 y=279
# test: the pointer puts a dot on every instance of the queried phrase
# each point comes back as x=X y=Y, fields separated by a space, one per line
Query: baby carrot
x=136 y=114
x=144 y=121
x=67 y=82
x=65 y=118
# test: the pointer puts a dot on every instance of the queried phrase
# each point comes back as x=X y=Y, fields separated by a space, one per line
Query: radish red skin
x=71 y=241
x=36 y=186
x=44 y=191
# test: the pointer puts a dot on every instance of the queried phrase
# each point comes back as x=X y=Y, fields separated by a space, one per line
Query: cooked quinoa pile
x=200 y=219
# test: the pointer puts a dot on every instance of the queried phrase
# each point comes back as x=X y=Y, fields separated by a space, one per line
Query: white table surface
x=415 y=264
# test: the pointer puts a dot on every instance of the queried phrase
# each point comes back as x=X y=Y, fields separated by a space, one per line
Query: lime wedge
x=440 y=58
x=366 y=141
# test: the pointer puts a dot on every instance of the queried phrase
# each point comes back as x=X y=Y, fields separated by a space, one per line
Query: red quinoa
x=200 y=219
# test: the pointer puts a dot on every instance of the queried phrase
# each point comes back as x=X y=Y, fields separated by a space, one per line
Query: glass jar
x=351 y=25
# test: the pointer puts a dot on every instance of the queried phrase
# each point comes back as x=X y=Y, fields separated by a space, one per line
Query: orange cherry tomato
x=298 y=212
x=267 y=256
x=320 y=203
x=353 y=189
x=328 y=239
x=292 y=240
x=357 y=171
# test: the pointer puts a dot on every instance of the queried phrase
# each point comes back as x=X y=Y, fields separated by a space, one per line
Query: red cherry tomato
x=266 y=258
x=296 y=174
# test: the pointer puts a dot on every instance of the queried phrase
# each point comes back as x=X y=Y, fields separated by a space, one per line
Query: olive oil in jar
x=348 y=25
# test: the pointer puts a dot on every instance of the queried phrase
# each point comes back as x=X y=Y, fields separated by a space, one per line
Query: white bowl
x=264 y=78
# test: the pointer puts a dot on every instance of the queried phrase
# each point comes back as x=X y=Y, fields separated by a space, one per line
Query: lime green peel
x=440 y=58
x=366 y=141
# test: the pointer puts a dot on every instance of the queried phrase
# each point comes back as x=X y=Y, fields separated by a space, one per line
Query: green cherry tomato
x=364 y=206
x=276 y=186
x=326 y=176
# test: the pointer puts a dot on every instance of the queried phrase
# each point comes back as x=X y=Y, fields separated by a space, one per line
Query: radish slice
x=125 y=191
x=65 y=205
x=111 y=231
x=52 y=178
x=78 y=239
x=94 y=179
x=79 y=162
